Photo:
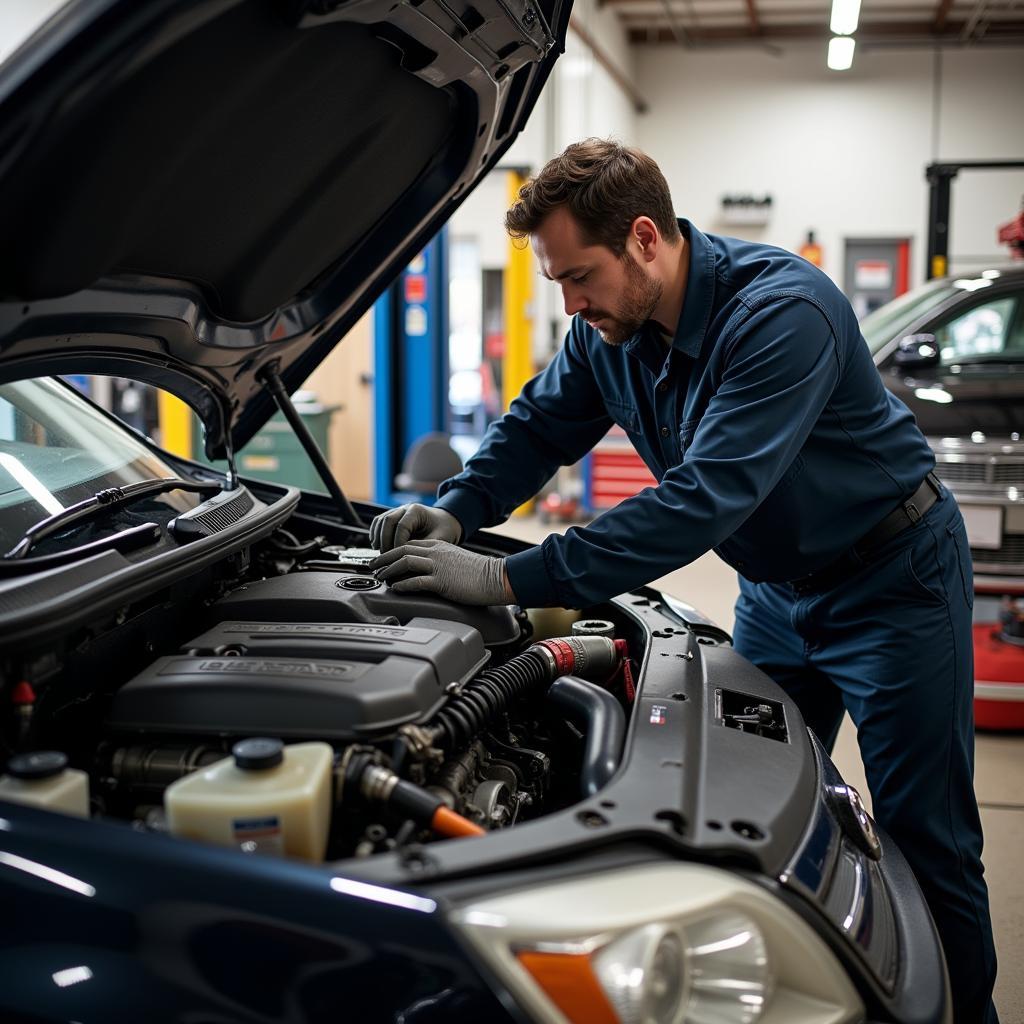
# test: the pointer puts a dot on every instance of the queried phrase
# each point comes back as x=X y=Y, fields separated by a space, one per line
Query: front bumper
x=871 y=913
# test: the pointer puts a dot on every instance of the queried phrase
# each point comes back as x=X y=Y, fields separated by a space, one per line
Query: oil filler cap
x=39 y=764
x=258 y=754
x=358 y=583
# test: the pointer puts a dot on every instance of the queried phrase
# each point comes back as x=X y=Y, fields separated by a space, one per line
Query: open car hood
x=191 y=190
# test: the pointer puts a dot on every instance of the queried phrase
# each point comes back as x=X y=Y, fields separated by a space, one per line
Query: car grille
x=1009 y=554
x=1008 y=473
x=962 y=472
x=985 y=471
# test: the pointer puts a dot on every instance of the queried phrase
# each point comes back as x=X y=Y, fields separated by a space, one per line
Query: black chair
x=428 y=462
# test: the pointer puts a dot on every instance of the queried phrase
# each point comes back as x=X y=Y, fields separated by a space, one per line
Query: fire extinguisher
x=811 y=251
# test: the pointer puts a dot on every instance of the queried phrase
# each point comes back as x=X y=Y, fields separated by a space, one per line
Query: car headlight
x=659 y=944
x=713 y=969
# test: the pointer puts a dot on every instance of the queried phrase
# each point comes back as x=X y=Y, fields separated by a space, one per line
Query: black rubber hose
x=464 y=717
x=603 y=722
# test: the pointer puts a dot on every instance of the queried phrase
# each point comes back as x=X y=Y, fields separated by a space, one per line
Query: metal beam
x=678 y=32
x=940 y=177
x=645 y=28
x=755 y=21
x=617 y=75
x=797 y=15
x=941 y=14
x=972 y=22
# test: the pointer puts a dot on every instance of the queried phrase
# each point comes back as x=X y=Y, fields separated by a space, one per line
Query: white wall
x=579 y=100
x=588 y=100
x=842 y=153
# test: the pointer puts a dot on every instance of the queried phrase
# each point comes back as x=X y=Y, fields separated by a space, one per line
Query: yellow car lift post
x=175 y=419
x=517 y=360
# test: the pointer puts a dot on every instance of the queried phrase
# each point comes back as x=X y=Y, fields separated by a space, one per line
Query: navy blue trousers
x=892 y=645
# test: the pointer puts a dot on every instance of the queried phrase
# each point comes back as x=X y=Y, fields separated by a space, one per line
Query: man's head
x=600 y=219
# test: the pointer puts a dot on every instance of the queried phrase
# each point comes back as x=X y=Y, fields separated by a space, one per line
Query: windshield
x=56 y=449
x=884 y=324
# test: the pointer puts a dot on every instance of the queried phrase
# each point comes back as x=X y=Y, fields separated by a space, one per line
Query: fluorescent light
x=840 y=52
x=844 y=17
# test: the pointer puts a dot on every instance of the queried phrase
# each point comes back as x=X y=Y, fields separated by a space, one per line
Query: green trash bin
x=275 y=453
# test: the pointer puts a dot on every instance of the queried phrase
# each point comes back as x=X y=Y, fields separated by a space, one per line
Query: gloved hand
x=413 y=522
x=438 y=567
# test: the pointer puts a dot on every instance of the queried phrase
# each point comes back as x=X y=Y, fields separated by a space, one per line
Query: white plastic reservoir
x=42 y=778
x=265 y=798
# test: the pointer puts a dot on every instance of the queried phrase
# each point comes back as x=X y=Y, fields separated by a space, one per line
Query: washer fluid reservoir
x=42 y=778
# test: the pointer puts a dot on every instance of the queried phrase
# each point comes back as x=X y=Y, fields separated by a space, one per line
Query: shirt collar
x=696 y=311
x=700 y=292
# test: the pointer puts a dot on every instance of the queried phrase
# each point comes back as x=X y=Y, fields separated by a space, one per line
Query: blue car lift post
x=410 y=376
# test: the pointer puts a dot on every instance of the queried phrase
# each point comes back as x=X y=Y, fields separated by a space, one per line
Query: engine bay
x=419 y=719
x=437 y=720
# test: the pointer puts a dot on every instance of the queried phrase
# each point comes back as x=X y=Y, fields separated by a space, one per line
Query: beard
x=639 y=300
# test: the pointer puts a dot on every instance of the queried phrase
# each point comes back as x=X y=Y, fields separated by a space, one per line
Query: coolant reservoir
x=43 y=779
x=265 y=798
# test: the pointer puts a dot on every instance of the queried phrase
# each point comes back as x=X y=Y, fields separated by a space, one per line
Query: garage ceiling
x=706 y=23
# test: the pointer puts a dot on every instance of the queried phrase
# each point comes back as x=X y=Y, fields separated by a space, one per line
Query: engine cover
x=355 y=597
x=298 y=680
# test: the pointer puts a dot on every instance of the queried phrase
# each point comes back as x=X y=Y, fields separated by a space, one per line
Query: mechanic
x=740 y=375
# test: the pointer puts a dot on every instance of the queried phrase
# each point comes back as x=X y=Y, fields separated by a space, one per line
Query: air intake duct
x=489 y=695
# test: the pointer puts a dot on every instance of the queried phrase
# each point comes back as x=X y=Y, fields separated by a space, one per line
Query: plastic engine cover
x=355 y=597
x=300 y=679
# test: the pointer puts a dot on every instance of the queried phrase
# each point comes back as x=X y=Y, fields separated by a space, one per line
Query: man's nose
x=573 y=300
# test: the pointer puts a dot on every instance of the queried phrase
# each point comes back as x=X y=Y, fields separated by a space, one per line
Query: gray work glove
x=438 y=567
x=413 y=522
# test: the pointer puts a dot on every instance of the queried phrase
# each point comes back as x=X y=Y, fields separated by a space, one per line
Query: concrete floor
x=710 y=585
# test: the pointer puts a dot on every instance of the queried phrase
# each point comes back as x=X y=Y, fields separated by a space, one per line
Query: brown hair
x=605 y=186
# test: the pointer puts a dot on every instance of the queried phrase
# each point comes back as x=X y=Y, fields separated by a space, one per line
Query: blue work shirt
x=765 y=423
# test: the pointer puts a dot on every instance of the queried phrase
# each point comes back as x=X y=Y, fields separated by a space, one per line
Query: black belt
x=904 y=515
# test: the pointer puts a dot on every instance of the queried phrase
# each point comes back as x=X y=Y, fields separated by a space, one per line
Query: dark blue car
x=245 y=781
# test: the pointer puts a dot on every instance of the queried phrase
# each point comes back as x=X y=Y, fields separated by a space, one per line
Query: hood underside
x=190 y=191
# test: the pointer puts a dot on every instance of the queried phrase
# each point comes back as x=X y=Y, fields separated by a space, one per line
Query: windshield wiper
x=110 y=497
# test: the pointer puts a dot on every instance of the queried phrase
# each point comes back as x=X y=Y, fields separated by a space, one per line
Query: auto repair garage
x=512 y=511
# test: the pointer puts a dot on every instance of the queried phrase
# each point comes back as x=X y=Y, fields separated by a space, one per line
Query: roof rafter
x=755 y=21
x=644 y=28
x=942 y=13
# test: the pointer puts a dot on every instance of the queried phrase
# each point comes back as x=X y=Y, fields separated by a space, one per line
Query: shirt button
x=664 y=431
x=663 y=386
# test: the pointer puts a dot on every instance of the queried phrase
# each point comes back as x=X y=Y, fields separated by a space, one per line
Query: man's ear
x=644 y=239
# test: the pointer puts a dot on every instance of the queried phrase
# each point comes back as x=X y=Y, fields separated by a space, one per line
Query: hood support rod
x=272 y=381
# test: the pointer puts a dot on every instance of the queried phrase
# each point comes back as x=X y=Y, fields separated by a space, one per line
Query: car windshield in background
x=884 y=324
x=989 y=332
x=55 y=450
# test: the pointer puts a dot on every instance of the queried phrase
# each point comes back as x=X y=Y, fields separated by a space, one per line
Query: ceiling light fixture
x=840 y=52
x=844 y=16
